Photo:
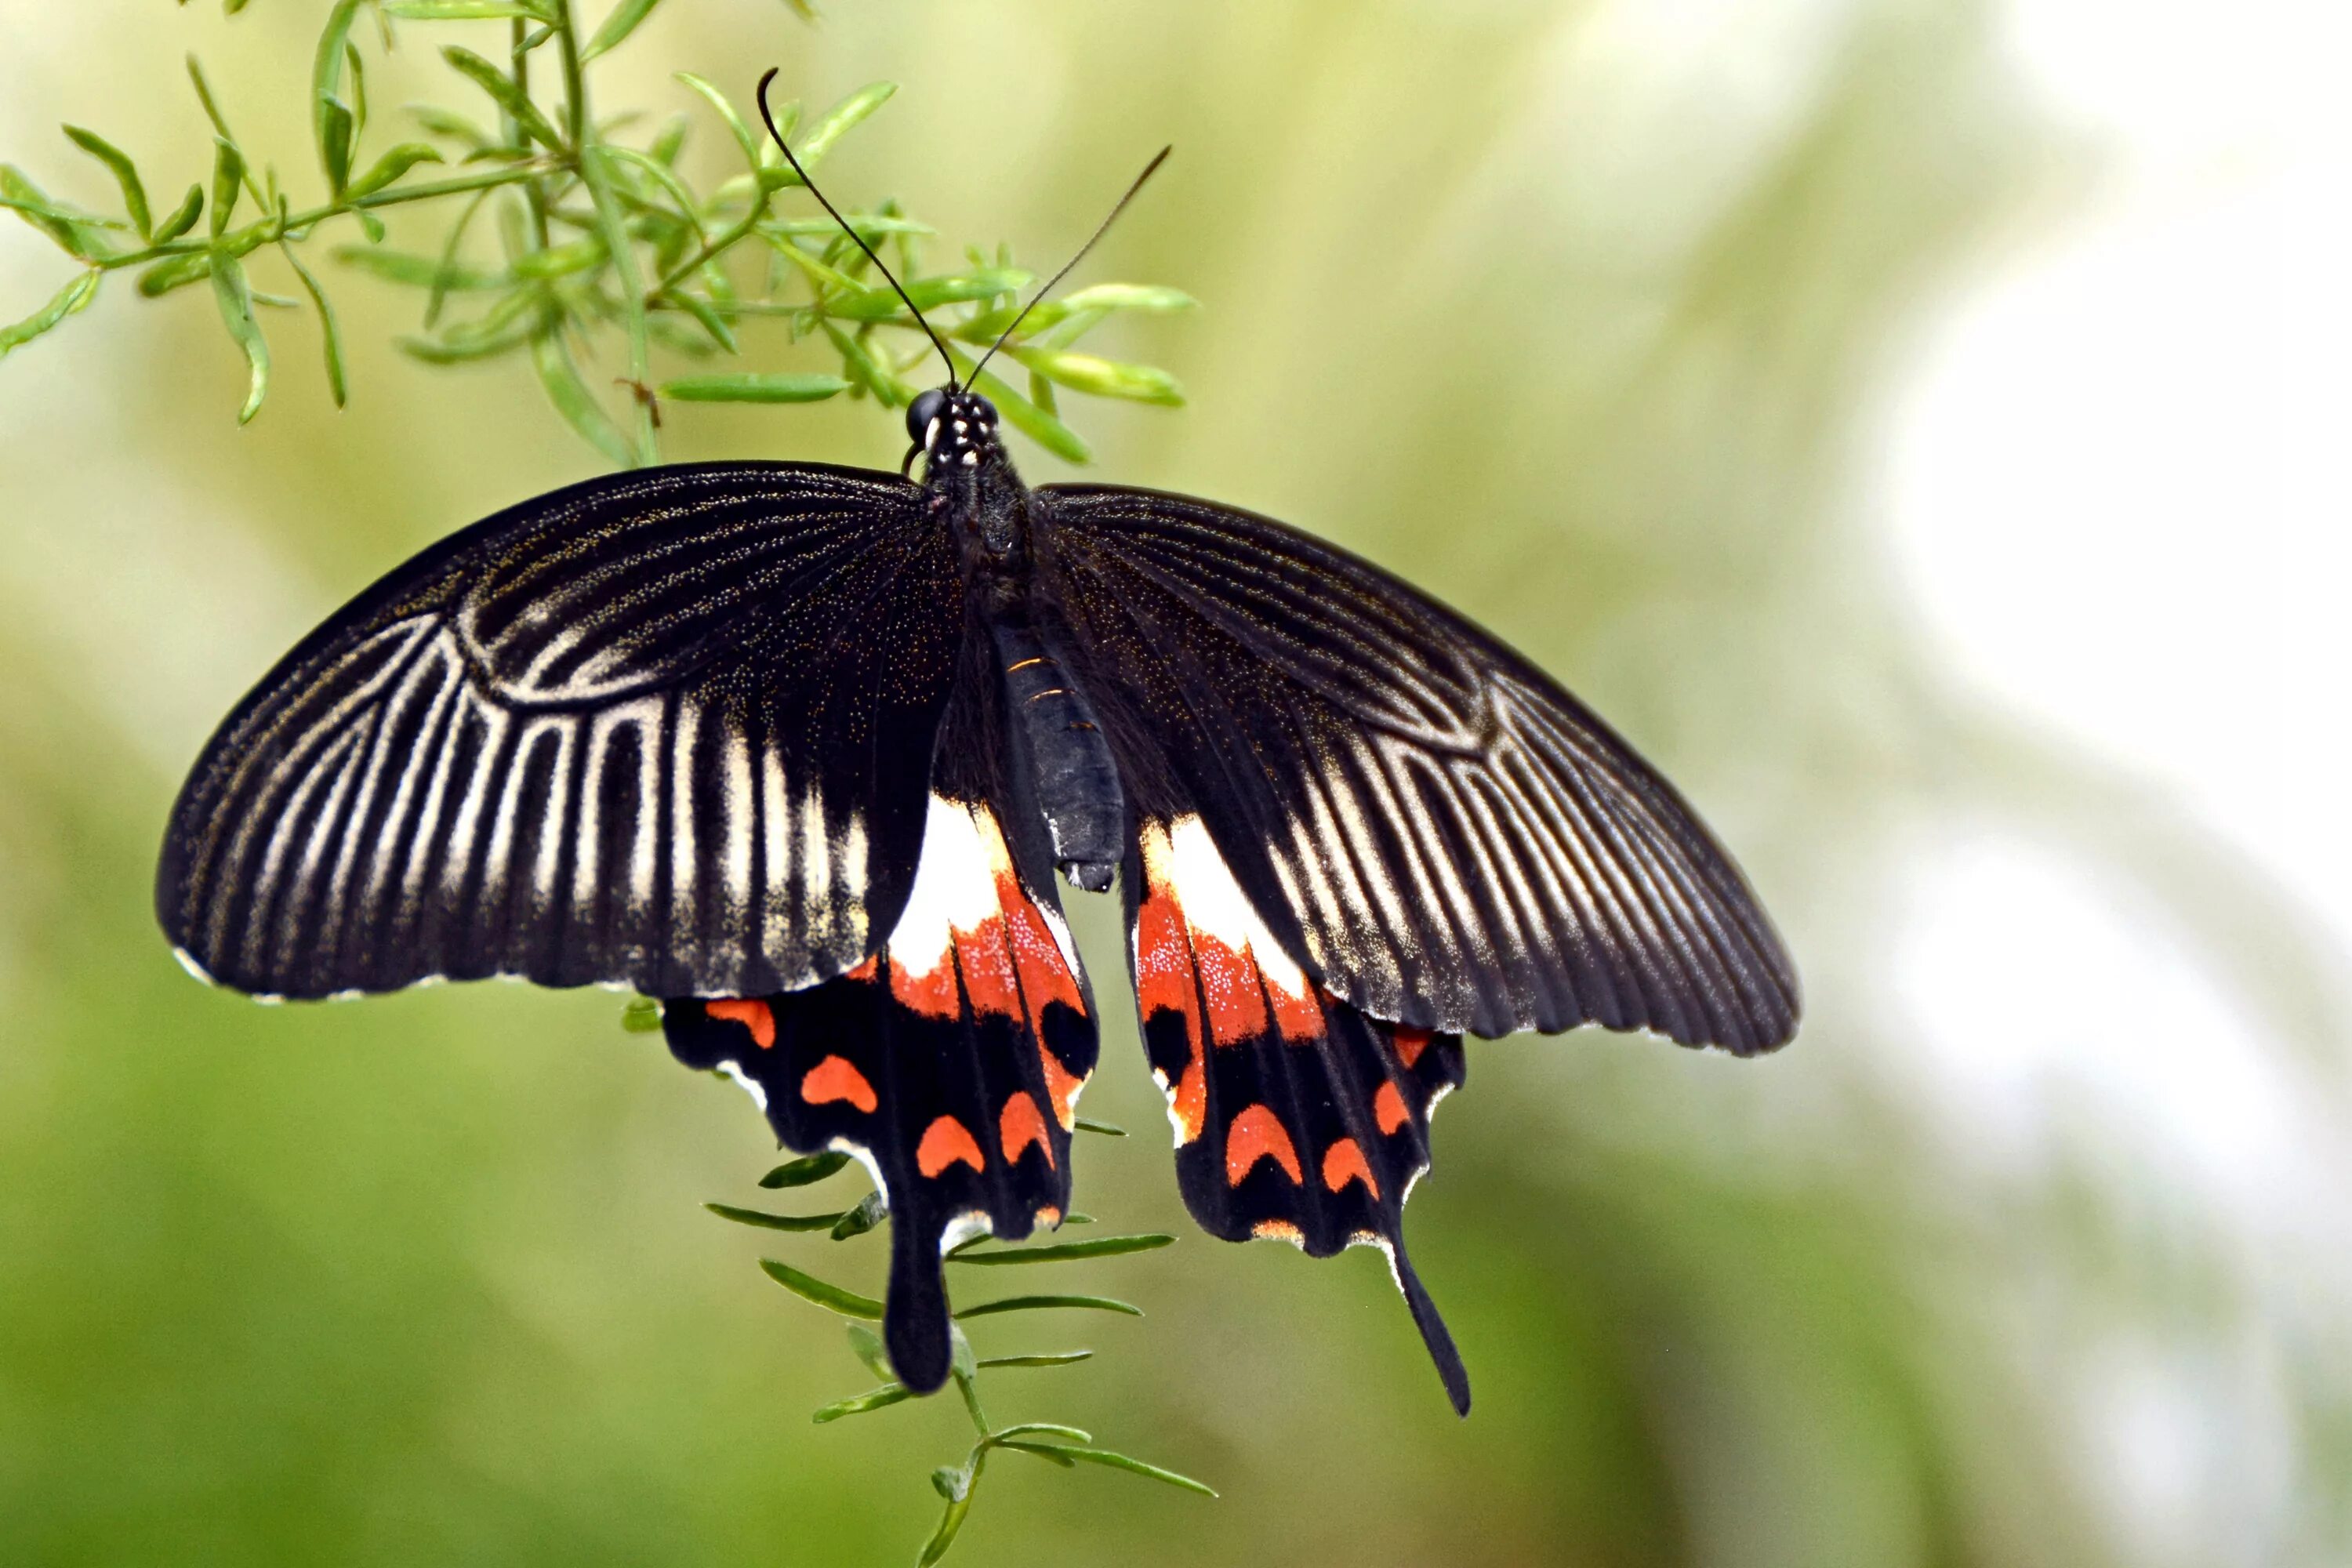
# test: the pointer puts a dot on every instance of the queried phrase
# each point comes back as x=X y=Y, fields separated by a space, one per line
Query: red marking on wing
x=833 y=1078
x=945 y=1142
x=931 y=991
x=1388 y=1109
x=1049 y=1216
x=987 y=965
x=754 y=1015
x=865 y=971
x=1020 y=1126
x=1298 y=1017
x=1044 y=974
x=1343 y=1162
x=1278 y=1230
x=1257 y=1134
x=1231 y=983
x=1062 y=1085
x=1163 y=963
x=1411 y=1042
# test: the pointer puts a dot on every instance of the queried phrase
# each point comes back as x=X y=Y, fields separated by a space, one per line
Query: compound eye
x=922 y=411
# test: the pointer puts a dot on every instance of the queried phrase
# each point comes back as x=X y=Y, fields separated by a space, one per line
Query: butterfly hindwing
x=1297 y=1118
x=950 y=1062
x=1442 y=834
x=668 y=728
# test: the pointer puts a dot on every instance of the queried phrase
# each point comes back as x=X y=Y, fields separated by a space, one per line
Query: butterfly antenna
x=1104 y=227
x=785 y=148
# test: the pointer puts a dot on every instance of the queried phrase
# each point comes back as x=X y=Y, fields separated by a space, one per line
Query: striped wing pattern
x=1439 y=833
x=669 y=731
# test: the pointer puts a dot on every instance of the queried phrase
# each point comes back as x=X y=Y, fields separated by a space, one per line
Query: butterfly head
x=953 y=428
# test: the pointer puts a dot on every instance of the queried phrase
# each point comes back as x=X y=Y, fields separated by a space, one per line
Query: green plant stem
x=269 y=230
x=617 y=244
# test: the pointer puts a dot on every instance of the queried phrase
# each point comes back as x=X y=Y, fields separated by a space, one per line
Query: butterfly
x=799 y=751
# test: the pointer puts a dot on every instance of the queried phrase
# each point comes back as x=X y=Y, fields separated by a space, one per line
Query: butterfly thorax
x=1059 y=753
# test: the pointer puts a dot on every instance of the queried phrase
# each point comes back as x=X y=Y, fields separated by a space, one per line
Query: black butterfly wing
x=669 y=730
x=1434 y=829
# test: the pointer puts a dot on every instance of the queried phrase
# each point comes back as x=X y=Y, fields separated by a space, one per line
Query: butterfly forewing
x=669 y=730
x=1442 y=835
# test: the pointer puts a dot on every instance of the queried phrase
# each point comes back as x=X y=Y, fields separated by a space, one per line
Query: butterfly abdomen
x=1068 y=762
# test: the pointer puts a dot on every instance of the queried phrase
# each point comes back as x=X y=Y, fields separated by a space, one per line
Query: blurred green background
x=1584 y=317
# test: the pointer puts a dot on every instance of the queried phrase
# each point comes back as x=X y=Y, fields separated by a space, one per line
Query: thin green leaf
x=1148 y=297
x=837 y=121
x=805 y=10
x=1050 y=1358
x=75 y=296
x=1102 y=377
x=756 y=387
x=597 y=174
x=669 y=140
x=462 y=11
x=329 y=331
x=618 y=24
x=871 y=1210
x=866 y=370
x=183 y=216
x=1041 y=1429
x=228 y=175
x=663 y=175
x=126 y=175
x=392 y=166
x=950 y=1523
x=326 y=81
x=235 y=296
x=930 y=293
x=709 y=319
x=1036 y=1303
x=1105 y=1457
x=1044 y=1451
x=801 y=1221
x=1067 y=1251
x=455 y=348
x=717 y=100
x=440 y=295
x=175 y=272
x=866 y=1346
x=881 y=1398
x=358 y=74
x=832 y=1298
x=418 y=271
x=1084 y=1124
x=450 y=123
x=642 y=1016
x=561 y=260
x=571 y=399
x=73 y=232
x=806 y=1170
x=505 y=94
x=335 y=147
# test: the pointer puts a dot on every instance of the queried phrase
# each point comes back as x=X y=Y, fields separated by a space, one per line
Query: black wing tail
x=1297 y=1118
x=951 y=1064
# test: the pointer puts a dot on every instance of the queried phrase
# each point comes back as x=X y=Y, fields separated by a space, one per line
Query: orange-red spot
x=987 y=965
x=1190 y=1099
x=1300 y=1018
x=1257 y=1134
x=1020 y=1126
x=945 y=1142
x=833 y=1078
x=865 y=969
x=931 y=991
x=754 y=1015
x=1278 y=1230
x=1411 y=1042
x=1049 y=1216
x=1062 y=1085
x=1388 y=1109
x=1163 y=964
x=1343 y=1162
x=1230 y=981
x=1044 y=974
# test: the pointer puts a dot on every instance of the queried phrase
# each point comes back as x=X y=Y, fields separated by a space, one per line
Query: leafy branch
x=606 y=253
x=958 y=1485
